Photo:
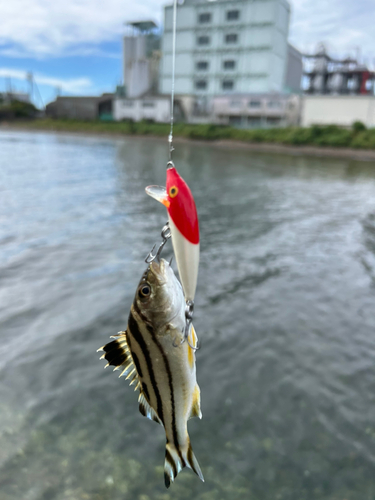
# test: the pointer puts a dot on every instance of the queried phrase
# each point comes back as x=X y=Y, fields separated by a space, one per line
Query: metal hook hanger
x=165 y=234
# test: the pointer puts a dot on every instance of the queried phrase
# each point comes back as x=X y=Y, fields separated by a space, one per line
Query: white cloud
x=41 y=28
x=69 y=85
x=44 y=28
x=343 y=25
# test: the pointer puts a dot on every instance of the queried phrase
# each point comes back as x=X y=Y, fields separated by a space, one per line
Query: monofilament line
x=170 y=138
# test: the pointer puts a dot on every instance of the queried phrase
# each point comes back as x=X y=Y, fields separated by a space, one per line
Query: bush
x=23 y=109
x=336 y=138
x=364 y=140
x=358 y=127
x=299 y=136
x=317 y=135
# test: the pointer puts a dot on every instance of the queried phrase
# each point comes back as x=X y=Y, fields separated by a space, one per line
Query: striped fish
x=152 y=354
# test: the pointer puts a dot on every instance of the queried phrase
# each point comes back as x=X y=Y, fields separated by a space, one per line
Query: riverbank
x=332 y=141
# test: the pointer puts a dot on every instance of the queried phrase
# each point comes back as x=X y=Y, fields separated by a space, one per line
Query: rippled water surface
x=285 y=311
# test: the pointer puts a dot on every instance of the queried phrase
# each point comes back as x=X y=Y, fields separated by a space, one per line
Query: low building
x=152 y=108
x=257 y=110
x=81 y=107
x=338 y=110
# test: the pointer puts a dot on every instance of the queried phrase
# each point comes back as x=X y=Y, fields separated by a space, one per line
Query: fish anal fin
x=196 y=405
x=146 y=410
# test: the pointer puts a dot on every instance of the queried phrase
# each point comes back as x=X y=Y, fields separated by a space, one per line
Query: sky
x=74 y=46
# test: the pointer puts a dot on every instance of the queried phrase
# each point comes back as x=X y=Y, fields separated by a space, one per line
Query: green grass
x=324 y=136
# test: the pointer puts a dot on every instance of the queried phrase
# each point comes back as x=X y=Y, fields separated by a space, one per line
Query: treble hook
x=165 y=234
x=189 y=311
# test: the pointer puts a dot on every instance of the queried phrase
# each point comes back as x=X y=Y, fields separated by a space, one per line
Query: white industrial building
x=225 y=46
x=141 y=58
x=137 y=99
x=338 y=109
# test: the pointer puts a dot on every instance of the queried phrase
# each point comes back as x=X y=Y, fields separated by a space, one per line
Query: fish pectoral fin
x=178 y=458
x=146 y=410
x=117 y=354
x=196 y=405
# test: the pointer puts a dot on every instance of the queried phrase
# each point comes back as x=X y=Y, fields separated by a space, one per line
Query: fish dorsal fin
x=146 y=410
x=118 y=354
x=196 y=406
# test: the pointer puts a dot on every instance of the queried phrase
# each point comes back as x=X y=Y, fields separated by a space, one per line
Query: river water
x=285 y=311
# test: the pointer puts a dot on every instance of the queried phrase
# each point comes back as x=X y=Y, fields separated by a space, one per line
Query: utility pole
x=30 y=79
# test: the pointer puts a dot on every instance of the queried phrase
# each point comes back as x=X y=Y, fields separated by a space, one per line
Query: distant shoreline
x=256 y=147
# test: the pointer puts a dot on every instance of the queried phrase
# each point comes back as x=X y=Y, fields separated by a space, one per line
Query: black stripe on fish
x=170 y=383
x=171 y=462
x=140 y=313
x=137 y=364
x=145 y=391
x=137 y=335
x=192 y=462
x=190 y=458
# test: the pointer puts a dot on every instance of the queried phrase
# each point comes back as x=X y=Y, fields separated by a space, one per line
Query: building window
x=201 y=84
x=273 y=122
x=202 y=65
x=204 y=18
x=231 y=38
x=128 y=104
x=255 y=104
x=148 y=104
x=235 y=104
x=236 y=121
x=230 y=64
x=203 y=40
x=233 y=15
x=274 y=104
x=227 y=85
x=254 y=121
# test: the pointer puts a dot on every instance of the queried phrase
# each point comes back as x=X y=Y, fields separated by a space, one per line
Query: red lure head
x=182 y=209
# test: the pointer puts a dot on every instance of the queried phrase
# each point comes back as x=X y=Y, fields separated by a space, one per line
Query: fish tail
x=192 y=462
x=178 y=458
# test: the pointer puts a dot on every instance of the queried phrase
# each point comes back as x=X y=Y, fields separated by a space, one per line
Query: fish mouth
x=158 y=269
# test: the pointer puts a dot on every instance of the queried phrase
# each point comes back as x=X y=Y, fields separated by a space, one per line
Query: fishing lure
x=184 y=227
x=164 y=374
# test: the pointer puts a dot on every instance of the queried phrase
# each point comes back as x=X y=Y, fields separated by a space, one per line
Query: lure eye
x=173 y=191
x=144 y=291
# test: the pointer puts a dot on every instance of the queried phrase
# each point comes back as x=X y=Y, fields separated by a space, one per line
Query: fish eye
x=144 y=291
x=173 y=191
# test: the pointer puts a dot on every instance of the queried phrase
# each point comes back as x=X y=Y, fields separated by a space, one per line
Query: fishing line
x=170 y=137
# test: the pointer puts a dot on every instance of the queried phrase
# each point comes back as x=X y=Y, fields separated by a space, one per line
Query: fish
x=152 y=355
x=184 y=225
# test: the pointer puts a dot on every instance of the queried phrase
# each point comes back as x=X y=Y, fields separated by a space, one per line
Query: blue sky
x=75 y=45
